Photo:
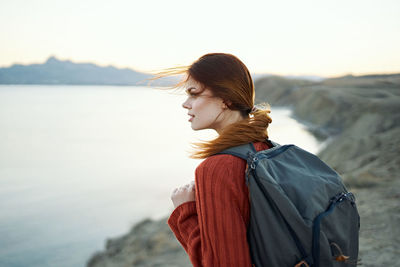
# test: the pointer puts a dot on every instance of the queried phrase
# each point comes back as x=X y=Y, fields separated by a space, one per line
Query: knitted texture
x=212 y=229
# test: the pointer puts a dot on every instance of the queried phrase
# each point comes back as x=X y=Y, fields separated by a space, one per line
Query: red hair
x=228 y=78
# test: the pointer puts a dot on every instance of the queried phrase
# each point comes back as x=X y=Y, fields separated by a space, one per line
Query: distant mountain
x=55 y=71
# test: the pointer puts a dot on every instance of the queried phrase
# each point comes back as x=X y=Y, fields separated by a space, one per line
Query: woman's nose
x=186 y=104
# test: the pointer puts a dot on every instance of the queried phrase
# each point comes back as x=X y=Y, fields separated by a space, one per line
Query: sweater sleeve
x=213 y=229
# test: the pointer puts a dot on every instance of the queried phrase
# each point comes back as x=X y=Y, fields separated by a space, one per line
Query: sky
x=325 y=38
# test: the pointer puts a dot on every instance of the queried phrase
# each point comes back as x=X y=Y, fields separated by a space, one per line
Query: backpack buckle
x=302 y=263
x=338 y=198
x=342 y=196
x=251 y=160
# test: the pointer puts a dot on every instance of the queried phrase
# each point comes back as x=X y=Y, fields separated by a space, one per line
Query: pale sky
x=299 y=37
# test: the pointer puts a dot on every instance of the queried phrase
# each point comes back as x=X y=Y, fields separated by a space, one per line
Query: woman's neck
x=232 y=116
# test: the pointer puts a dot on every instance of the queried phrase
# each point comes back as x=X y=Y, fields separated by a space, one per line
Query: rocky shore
x=359 y=120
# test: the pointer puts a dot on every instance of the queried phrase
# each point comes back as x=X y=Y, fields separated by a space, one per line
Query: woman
x=211 y=214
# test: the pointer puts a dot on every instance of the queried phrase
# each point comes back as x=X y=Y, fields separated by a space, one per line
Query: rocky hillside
x=149 y=243
x=359 y=119
x=361 y=115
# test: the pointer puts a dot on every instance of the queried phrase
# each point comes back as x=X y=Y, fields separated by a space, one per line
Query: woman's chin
x=196 y=128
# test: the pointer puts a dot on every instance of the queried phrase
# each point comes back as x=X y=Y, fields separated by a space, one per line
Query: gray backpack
x=300 y=212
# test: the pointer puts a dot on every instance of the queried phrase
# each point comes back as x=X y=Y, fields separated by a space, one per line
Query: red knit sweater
x=213 y=228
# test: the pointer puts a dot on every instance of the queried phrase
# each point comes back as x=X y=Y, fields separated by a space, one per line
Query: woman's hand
x=183 y=194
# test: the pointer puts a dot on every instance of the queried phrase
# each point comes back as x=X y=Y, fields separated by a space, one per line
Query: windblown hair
x=228 y=78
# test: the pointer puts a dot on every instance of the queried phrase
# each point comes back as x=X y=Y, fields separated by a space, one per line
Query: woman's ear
x=226 y=104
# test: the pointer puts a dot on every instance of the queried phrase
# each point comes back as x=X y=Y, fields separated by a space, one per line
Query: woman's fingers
x=190 y=185
x=183 y=194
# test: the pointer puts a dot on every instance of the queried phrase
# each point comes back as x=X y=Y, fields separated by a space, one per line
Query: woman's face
x=203 y=108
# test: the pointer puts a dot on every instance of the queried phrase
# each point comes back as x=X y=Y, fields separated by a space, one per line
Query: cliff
x=149 y=243
x=359 y=120
x=359 y=115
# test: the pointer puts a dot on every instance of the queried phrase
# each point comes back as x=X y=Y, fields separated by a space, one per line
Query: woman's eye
x=193 y=94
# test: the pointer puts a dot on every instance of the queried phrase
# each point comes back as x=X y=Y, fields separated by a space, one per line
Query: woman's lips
x=191 y=117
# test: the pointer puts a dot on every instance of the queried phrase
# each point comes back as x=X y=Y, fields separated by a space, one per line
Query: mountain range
x=56 y=71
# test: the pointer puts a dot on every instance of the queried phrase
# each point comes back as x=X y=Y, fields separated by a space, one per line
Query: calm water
x=79 y=164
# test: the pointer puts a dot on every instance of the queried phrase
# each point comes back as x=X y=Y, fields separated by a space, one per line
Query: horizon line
x=342 y=74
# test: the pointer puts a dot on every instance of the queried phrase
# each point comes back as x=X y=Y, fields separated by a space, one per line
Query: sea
x=81 y=164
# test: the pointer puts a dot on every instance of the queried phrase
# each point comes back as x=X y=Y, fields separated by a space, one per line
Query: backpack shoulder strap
x=244 y=151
